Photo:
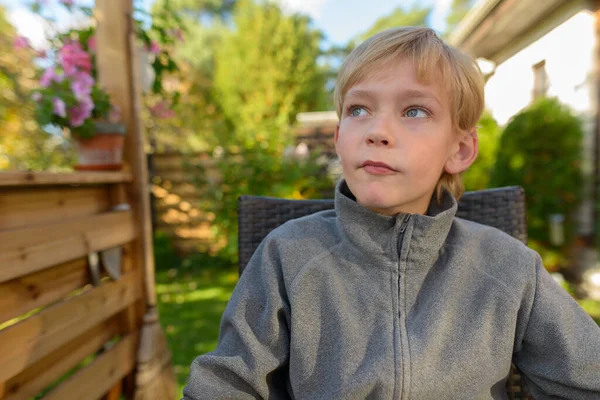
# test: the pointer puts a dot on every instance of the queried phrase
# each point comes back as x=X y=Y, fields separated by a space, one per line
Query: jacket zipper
x=401 y=235
x=403 y=226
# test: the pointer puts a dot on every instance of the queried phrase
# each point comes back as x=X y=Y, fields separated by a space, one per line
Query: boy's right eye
x=357 y=111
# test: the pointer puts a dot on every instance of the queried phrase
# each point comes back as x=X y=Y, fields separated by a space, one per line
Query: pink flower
x=82 y=85
x=37 y=96
x=49 y=76
x=160 y=110
x=20 y=43
x=67 y=2
x=74 y=59
x=92 y=44
x=81 y=112
x=115 y=114
x=59 y=107
x=154 y=47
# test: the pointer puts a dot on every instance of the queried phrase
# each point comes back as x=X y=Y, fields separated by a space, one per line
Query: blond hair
x=432 y=59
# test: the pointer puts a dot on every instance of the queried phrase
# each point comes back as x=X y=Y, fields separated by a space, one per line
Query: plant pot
x=103 y=151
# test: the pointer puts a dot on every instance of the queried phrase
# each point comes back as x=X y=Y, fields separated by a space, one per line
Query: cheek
x=428 y=156
x=345 y=142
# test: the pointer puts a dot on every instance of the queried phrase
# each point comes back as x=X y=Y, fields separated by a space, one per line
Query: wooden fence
x=63 y=333
x=177 y=203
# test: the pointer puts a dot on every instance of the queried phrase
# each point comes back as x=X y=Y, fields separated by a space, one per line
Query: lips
x=377 y=168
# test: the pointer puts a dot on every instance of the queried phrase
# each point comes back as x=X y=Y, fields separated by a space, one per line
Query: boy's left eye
x=415 y=112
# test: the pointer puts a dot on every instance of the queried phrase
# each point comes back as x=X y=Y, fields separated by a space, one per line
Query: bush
x=259 y=171
x=477 y=177
x=540 y=150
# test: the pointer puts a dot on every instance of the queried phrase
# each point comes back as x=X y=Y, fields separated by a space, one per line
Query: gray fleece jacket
x=350 y=304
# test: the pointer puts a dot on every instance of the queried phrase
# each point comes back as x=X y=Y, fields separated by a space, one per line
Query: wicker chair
x=502 y=208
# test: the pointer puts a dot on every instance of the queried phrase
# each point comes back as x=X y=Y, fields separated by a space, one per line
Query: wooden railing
x=63 y=333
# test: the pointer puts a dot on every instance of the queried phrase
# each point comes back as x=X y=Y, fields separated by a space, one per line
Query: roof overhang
x=495 y=29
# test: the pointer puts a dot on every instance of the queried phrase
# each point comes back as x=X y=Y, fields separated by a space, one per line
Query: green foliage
x=540 y=150
x=45 y=114
x=199 y=9
x=256 y=171
x=477 y=177
x=458 y=10
x=592 y=307
x=199 y=122
x=192 y=293
x=415 y=15
x=266 y=73
x=23 y=145
x=165 y=31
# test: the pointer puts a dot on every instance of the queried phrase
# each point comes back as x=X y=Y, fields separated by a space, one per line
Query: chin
x=376 y=198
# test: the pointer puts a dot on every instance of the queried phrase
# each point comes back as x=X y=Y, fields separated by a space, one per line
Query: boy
x=390 y=296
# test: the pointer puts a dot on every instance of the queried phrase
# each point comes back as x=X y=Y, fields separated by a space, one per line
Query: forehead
x=400 y=75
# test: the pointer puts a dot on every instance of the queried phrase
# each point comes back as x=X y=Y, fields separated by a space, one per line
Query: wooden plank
x=52 y=367
x=114 y=392
x=116 y=43
x=93 y=381
x=28 y=206
x=24 y=251
x=63 y=178
x=28 y=341
x=41 y=288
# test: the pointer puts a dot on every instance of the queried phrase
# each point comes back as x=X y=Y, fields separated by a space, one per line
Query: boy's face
x=395 y=138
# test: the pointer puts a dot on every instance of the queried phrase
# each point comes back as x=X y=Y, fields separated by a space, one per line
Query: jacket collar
x=377 y=235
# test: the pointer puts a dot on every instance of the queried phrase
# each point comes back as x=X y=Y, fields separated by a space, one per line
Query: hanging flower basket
x=103 y=151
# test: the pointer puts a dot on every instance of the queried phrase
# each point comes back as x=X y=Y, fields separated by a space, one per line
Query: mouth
x=377 y=168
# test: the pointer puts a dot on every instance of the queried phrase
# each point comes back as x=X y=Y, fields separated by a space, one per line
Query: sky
x=339 y=19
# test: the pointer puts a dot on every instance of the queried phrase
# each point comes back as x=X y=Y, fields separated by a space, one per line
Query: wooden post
x=117 y=72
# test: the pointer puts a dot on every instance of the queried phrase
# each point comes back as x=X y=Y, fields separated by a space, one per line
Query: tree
x=477 y=177
x=267 y=72
x=458 y=10
x=204 y=23
x=540 y=150
x=197 y=10
x=199 y=119
x=23 y=145
x=416 y=15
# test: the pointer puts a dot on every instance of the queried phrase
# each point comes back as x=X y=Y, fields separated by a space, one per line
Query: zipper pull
x=404 y=223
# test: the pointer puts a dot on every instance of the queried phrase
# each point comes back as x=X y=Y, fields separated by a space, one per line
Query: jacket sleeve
x=559 y=352
x=251 y=357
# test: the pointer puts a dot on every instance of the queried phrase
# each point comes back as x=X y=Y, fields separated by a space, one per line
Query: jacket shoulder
x=299 y=240
x=493 y=251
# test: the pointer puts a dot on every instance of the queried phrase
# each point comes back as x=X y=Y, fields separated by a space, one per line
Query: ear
x=463 y=154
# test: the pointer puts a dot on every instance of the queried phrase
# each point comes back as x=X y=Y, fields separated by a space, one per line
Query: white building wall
x=569 y=54
x=568 y=51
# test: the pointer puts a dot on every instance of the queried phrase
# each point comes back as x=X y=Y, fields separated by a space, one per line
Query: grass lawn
x=192 y=294
x=592 y=308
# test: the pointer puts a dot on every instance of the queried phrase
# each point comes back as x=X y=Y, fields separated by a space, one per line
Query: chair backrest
x=502 y=208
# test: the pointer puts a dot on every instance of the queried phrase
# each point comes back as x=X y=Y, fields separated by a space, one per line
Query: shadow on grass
x=192 y=294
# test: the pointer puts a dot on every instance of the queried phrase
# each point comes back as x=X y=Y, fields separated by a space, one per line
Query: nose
x=380 y=132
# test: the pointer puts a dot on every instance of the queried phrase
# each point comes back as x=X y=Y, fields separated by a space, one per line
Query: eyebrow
x=361 y=93
x=409 y=93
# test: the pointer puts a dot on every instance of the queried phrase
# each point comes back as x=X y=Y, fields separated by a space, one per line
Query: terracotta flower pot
x=103 y=151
